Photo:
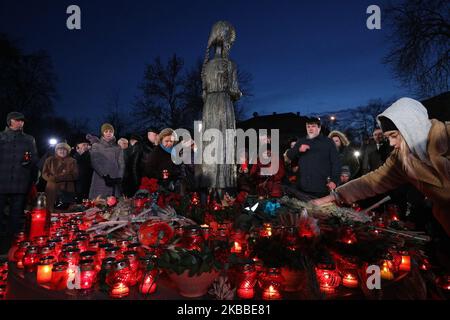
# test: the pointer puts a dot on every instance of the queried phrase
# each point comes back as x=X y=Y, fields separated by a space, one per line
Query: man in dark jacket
x=142 y=155
x=319 y=165
x=83 y=158
x=131 y=178
x=18 y=158
x=375 y=153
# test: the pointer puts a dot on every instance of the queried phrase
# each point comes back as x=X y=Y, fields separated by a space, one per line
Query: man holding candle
x=18 y=157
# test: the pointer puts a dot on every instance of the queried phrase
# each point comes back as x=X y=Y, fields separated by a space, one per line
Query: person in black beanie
x=143 y=152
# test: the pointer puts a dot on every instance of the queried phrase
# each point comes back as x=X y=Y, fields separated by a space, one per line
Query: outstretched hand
x=323 y=201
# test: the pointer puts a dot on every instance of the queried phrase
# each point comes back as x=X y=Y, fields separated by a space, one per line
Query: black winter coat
x=83 y=183
x=158 y=161
x=316 y=165
x=16 y=176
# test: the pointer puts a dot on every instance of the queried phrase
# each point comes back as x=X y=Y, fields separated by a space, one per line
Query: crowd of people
x=407 y=147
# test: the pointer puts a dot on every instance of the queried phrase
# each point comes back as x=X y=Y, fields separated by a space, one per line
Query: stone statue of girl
x=220 y=90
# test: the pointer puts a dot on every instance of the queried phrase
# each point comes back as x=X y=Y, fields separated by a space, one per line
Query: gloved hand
x=108 y=181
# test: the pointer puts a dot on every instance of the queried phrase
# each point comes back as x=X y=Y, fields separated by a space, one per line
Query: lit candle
x=266 y=231
x=87 y=274
x=271 y=293
x=148 y=284
x=37 y=224
x=350 y=281
x=386 y=272
x=405 y=265
x=247 y=281
x=328 y=279
x=119 y=290
x=237 y=248
x=44 y=270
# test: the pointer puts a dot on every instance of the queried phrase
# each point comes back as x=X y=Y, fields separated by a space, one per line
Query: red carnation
x=150 y=184
x=151 y=232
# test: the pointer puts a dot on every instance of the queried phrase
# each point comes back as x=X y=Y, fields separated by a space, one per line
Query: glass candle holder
x=37 y=223
x=387 y=268
x=88 y=274
x=114 y=252
x=239 y=242
x=107 y=267
x=94 y=245
x=350 y=279
x=102 y=250
x=59 y=276
x=192 y=238
x=57 y=246
x=121 y=273
x=327 y=278
x=20 y=253
x=266 y=230
x=272 y=284
x=31 y=259
x=81 y=243
x=148 y=282
x=71 y=256
x=44 y=269
x=246 y=281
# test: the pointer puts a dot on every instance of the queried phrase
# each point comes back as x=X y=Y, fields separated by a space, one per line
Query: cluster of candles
x=68 y=257
x=330 y=278
x=65 y=256
x=3 y=278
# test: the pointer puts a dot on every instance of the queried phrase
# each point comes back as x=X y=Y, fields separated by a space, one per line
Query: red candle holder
x=192 y=238
x=82 y=243
x=59 y=276
x=165 y=174
x=328 y=278
x=246 y=282
x=239 y=243
x=88 y=274
x=20 y=253
x=266 y=231
x=350 y=279
x=148 y=282
x=38 y=218
x=114 y=252
x=31 y=259
x=71 y=256
x=44 y=269
x=272 y=284
x=121 y=273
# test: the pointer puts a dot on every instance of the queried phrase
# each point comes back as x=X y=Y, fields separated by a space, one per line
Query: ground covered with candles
x=159 y=245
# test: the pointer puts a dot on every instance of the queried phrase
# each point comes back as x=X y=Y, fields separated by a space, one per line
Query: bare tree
x=420 y=53
x=172 y=97
x=161 y=101
x=116 y=116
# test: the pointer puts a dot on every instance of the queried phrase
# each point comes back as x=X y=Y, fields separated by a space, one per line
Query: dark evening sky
x=306 y=57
